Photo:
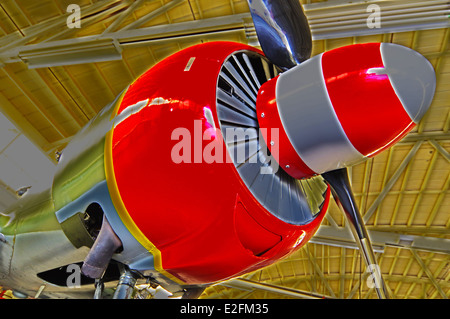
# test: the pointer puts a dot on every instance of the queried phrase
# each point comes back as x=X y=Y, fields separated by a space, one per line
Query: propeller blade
x=343 y=194
x=283 y=31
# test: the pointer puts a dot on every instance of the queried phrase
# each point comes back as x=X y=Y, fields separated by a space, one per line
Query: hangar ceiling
x=54 y=79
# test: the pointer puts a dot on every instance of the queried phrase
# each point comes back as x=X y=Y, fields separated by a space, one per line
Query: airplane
x=220 y=160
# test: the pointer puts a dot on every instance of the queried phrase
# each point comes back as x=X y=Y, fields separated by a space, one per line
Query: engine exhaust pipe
x=105 y=245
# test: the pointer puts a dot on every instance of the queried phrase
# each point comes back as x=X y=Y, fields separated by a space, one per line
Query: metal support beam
x=440 y=149
x=365 y=277
x=428 y=273
x=437 y=205
x=342 y=237
x=358 y=284
x=101 y=16
x=246 y=284
x=150 y=16
x=320 y=273
x=327 y=21
x=48 y=27
x=392 y=181
x=342 y=273
x=419 y=197
x=123 y=16
x=108 y=46
x=425 y=136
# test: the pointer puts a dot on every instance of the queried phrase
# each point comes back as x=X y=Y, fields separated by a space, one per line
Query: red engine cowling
x=177 y=187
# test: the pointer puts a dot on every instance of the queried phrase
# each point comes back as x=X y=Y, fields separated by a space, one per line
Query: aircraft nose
x=412 y=77
x=379 y=92
x=346 y=105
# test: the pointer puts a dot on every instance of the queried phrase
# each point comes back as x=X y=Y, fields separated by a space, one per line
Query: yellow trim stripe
x=120 y=206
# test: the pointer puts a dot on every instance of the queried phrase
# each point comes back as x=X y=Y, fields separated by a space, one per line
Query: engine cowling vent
x=293 y=201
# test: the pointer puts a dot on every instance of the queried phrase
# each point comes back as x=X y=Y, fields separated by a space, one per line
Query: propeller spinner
x=336 y=109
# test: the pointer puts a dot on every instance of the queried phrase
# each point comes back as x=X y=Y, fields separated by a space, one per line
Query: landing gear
x=134 y=285
x=99 y=288
x=126 y=286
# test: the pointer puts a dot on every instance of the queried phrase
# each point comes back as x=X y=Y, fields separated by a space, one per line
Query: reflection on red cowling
x=192 y=211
